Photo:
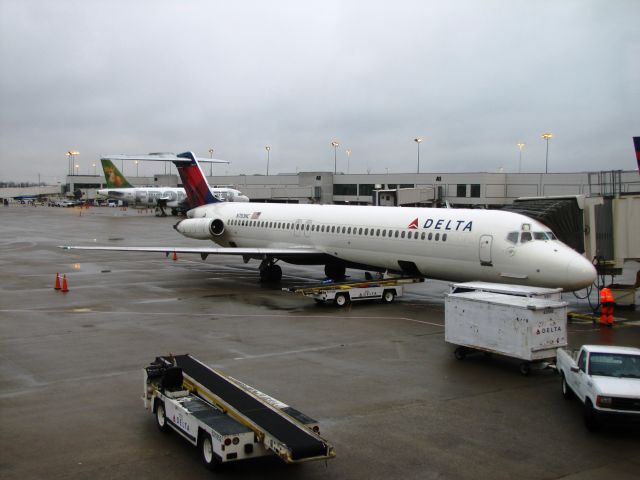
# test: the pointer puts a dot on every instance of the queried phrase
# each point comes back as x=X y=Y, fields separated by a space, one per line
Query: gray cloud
x=472 y=78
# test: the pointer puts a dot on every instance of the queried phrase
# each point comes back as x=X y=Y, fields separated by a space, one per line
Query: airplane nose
x=580 y=272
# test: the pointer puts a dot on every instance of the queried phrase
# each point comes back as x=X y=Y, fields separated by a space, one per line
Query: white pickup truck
x=605 y=379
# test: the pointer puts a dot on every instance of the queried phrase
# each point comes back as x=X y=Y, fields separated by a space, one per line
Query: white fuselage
x=172 y=197
x=448 y=244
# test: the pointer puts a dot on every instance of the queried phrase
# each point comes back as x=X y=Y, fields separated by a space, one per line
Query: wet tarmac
x=385 y=387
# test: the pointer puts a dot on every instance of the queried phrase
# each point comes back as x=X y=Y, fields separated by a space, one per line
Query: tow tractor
x=344 y=292
x=225 y=418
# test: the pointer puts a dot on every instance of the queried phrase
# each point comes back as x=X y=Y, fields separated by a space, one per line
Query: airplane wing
x=246 y=252
x=159 y=157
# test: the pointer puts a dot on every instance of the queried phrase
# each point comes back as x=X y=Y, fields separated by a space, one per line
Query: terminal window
x=365 y=189
x=345 y=189
x=475 y=190
x=461 y=190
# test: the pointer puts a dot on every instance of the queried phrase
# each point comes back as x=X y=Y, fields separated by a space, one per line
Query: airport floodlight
x=520 y=146
x=348 y=158
x=268 y=149
x=418 y=140
x=335 y=145
x=547 y=136
x=70 y=154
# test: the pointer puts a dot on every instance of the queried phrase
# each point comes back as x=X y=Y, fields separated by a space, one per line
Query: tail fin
x=194 y=182
x=112 y=175
x=636 y=144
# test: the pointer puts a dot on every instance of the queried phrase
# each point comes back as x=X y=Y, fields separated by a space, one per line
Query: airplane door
x=307 y=227
x=298 y=228
x=485 y=250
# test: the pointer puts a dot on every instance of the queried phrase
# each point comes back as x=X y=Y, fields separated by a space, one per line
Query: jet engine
x=201 y=228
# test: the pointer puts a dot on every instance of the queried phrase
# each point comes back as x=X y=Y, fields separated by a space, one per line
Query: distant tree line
x=21 y=184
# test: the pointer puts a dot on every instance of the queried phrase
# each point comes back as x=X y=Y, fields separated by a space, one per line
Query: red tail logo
x=413 y=225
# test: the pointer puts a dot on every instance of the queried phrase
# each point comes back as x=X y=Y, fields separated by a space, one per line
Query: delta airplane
x=445 y=244
x=119 y=188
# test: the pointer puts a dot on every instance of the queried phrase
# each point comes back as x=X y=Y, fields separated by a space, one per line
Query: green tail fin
x=112 y=175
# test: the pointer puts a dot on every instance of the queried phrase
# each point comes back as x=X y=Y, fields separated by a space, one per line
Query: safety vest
x=606 y=296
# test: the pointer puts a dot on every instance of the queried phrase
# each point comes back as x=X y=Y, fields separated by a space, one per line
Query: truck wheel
x=566 y=390
x=525 y=368
x=206 y=452
x=460 y=353
x=388 y=296
x=161 y=417
x=341 y=300
x=590 y=417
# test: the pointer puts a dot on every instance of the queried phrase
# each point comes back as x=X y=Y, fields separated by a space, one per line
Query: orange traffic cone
x=57 y=287
x=175 y=256
x=65 y=288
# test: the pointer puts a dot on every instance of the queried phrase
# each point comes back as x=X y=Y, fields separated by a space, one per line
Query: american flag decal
x=255 y=215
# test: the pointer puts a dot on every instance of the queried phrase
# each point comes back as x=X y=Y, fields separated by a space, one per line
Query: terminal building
x=476 y=190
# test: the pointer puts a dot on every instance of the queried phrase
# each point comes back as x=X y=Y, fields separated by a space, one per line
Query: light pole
x=136 y=168
x=547 y=136
x=268 y=149
x=94 y=168
x=418 y=140
x=348 y=158
x=70 y=155
x=520 y=147
x=77 y=169
x=211 y=164
x=335 y=145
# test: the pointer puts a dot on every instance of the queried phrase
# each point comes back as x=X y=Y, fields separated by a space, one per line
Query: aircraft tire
x=525 y=368
x=335 y=271
x=460 y=353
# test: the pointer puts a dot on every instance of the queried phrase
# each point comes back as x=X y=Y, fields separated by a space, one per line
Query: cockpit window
x=551 y=236
x=540 y=236
x=512 y=237
x=525 y=237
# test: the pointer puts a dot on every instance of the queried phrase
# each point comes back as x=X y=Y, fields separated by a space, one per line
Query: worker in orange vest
x=606 y=308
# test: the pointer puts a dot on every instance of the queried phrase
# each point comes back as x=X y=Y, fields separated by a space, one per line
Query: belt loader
x=225 y=418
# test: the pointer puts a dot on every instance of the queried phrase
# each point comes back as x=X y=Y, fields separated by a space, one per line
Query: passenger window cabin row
x=339 y=229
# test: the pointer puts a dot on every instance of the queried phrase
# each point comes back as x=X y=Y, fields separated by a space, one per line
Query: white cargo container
x=527 y=328
x=507 y=289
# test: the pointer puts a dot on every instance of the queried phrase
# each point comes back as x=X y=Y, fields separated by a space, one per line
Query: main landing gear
x=270 y=272
x=335 y=271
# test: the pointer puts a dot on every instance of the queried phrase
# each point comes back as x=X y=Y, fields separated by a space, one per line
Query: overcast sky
x=473 y=78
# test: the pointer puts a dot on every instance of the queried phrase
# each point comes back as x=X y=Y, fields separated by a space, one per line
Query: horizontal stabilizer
x=159 y=157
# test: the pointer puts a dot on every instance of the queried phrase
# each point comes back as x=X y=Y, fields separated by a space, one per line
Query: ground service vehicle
x=528 y=328
x=342 y=293
x=605 y=379
x=225 y=418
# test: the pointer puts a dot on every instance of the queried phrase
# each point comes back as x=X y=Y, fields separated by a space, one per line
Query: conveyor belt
x=302 y=443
